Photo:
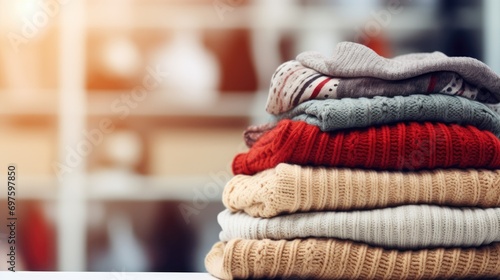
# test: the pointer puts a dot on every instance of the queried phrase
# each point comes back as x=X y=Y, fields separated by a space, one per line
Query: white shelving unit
x=71 y=198
x=75 y=105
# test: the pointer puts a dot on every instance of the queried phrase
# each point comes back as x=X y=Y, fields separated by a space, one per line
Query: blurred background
x=123 y=116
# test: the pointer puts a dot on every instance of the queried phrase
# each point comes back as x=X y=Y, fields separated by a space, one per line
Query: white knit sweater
x=403 y=227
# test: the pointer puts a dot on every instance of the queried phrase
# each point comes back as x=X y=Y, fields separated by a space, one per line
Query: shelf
x=28 y=102
x=34 y=188
x=145 y=188
x=100 y=103
x=155 y=16
x=227 y=105
x=207 y=17
x=138 y=188
x=192 y=16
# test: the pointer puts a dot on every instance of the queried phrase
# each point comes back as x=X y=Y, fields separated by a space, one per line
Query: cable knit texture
x=373 y=168
x=336 y=114
x=355 y=60
x=254 y=132
x=293 y=83
x=338 y=259
x=402 y=146
x=293 y=188
x=402 y=227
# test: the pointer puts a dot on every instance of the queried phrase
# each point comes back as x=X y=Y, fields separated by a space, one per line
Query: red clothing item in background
x=401 y=146
x=36 y=237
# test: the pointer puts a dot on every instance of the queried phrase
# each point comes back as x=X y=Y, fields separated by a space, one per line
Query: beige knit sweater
x=337 y=259
x=293 y=188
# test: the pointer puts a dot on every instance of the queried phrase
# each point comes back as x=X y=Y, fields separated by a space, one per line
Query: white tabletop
x=25 y=275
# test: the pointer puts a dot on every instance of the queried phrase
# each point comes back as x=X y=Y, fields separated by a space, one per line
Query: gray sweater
x=336 y=114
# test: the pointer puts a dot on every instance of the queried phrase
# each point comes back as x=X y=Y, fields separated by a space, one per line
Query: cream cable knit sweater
x=293 y=188
x=402 y=227
x=337 y=259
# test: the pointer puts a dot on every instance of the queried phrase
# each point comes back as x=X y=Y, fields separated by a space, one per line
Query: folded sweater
x=402 y=227
x=336 y=114
x=355 y=60
x=339 y=259
x=293 y=84
x=253 y=132
x=402 y=146
x=294 y=188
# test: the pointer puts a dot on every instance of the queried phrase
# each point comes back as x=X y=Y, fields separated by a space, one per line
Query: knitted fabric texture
x=355 y=60
x=293 y=83
x=254 y=132
x=402 y=146
x=335 y=114
x=294 y=188
x=402 y=227
x=338 y=259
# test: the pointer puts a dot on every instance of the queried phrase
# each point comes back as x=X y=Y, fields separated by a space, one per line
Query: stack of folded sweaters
x=376 y=168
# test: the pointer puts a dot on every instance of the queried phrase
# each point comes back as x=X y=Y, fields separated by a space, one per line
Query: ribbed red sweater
x=402 y=146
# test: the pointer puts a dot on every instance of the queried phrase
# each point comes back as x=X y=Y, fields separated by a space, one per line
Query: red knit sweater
x=402 y=146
